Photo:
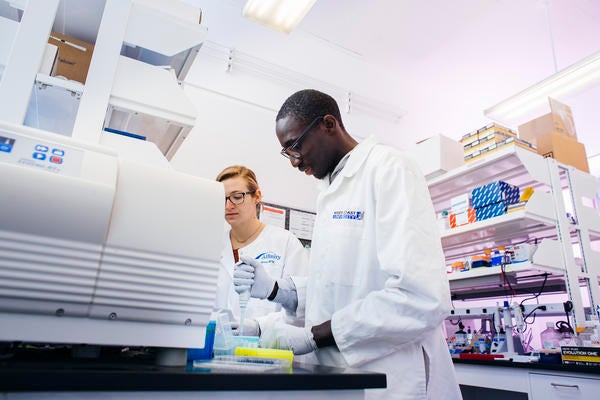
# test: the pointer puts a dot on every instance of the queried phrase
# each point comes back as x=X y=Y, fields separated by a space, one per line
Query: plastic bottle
x=550 y=337
x=469 y=335
x=567 y=337
x=461 y=336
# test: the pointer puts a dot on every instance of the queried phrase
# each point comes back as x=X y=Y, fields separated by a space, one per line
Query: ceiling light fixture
x=283 y=15
x=570 y=81
x=533 y=101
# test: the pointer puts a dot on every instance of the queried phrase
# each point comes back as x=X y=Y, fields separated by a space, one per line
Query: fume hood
x=143 y=50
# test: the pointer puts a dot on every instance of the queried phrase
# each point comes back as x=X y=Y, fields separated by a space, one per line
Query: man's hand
x=250 y=328
x=251 y=274
x=288 y=337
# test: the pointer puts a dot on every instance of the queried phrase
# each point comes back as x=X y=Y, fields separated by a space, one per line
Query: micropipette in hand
x=244 y=297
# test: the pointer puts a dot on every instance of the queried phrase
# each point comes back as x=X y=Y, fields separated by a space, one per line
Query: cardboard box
x=462 y=218
x=437 y=155
x=495 y=192
x=563 y=149
x=559 y=120
x=493 y=147
x=74 y=57
x=483 y=134
x=460 y=203
x=493 y=127
x=469 y=138
x=486 y=143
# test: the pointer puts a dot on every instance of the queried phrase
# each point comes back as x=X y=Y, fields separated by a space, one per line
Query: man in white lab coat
x=377 y=293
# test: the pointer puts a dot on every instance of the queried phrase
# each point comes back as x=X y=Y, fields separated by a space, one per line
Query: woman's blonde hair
x=247 y=174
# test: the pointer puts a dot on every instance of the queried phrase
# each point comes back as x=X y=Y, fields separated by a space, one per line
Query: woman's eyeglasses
x=237 y=198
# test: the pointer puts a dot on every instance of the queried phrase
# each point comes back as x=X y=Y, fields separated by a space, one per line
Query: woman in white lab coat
x=278 y=250
x=377 y=293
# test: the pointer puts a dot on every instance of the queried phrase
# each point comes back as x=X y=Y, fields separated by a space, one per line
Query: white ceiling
x=450 y=59
x=400 y=34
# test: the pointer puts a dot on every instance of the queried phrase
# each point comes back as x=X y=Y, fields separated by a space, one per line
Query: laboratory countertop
x=63 y=374
x=537 y=366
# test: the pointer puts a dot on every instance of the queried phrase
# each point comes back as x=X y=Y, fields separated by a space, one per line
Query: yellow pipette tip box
x=264 y=353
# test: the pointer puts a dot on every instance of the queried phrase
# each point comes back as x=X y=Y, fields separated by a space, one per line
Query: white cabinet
x=137 y=98
x=558 y=189
x=538 y=384
x=560 y=387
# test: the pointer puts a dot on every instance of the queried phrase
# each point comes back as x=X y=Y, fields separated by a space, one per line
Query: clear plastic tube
x=244 y=297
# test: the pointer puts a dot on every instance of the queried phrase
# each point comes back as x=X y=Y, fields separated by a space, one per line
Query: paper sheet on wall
x=273 y=216
x=301 y=224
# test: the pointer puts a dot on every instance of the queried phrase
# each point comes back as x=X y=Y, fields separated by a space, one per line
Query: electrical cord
x=535 y=296
x=565 y=326
x=512 y=292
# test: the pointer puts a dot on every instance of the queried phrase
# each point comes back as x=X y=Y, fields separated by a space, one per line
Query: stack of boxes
x=461 y=212
x=491 y=200
x=554 y=135
x=489 y=139
x=484 y=202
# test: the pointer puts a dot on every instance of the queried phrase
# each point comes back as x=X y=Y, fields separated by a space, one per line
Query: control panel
x=43 y=155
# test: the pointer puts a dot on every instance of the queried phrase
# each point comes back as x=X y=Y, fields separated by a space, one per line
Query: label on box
x=578 y=355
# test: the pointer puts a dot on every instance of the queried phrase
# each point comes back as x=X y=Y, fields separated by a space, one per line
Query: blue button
x=41 y=147
x=39 y=156
x=5 y=147
x=58 y=152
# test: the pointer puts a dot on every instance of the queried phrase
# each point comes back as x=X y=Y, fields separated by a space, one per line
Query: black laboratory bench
x=496 y=380
x=532 y=366
x=38 y=372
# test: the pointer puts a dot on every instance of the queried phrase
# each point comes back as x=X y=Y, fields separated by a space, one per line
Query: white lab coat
x=377 y=272
x=282 y=255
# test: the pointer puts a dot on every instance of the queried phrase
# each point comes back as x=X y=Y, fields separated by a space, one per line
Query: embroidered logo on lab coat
x=356 y=215
x=268 y=257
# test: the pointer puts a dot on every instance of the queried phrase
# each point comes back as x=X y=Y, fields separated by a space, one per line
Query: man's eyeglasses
x=237 y=198
x=293 y=150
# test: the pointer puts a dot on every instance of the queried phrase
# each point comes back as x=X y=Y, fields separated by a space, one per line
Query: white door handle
x=563 y=386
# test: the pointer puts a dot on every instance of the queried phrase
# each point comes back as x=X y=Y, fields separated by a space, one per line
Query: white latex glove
x=251 y=327
x=288 y=337
x=243 y=277
x=261 y=284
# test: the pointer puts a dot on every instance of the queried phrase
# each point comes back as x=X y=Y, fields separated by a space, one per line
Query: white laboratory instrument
x=99 y=249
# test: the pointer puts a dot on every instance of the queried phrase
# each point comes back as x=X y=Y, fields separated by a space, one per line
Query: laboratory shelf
x=498 y=230
x=514 y=165
x=67 y=84
x=527 y=268
x=536 y=218
x=560 y=191
x=546 y=259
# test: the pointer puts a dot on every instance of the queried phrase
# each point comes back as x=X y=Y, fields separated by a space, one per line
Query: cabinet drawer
x=560 y=387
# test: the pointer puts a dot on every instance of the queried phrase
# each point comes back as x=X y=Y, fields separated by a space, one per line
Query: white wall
x=231 y=132
x=495 y=56
x=237 y=109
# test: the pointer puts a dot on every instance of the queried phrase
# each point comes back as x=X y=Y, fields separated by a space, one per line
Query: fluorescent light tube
x=283 y=15
x=569 y=81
